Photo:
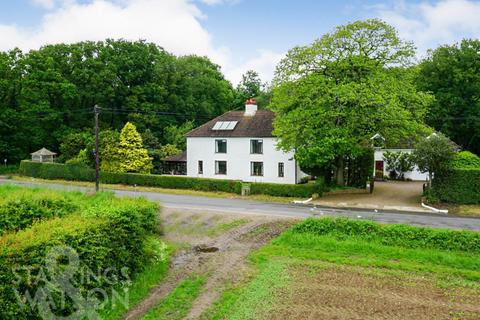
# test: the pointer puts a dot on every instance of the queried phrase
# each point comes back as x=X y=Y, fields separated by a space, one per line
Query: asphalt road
x=220 y=205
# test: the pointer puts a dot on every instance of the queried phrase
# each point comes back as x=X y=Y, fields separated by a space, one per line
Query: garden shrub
x=393 y=235
x=461 y=186
x=465 y=160
x=109 y=236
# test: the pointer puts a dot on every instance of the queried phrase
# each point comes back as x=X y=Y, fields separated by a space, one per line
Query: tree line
x=47 y=96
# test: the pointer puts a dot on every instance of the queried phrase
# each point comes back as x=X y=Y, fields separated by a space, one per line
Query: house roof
x=258 y=125
x=43 y=152
x=182 y=157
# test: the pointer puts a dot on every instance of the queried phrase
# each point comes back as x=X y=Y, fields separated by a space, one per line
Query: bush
x=460 y=186
x=8 y=169
x=56 y=171
x=465 y=160
x=20 y=208
x=82 y=173
x=288 y=190
x=393 y=235
x=109 y=238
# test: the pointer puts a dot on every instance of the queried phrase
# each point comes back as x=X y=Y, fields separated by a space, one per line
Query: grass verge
x=139 y=287
x=177 y=304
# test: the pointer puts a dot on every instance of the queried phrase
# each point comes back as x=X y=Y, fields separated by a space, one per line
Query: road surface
x=221 y=205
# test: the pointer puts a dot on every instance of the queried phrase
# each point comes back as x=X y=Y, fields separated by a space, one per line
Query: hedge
x=109 y=237
x=393 y=235
x=460 y=186
x=20 y=207
x=81 y=173
x=288 y=190
x=465 y=160
x=56 y=171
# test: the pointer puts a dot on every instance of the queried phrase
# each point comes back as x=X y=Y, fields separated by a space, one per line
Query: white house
x=380 y=168
x=239 y=145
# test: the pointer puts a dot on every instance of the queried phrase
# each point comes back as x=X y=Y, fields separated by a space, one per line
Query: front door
x=379 y=169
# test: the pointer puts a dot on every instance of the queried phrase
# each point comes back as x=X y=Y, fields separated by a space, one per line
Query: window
x=221 y=146
x=281 y=170
x=256 y=146
x=256 y=168
x=200 y=167
x=220 y=167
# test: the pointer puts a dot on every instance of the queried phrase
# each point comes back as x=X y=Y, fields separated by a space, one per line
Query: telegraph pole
x=96 y=111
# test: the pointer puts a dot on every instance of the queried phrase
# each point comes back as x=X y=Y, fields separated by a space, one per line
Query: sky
x=238 y=35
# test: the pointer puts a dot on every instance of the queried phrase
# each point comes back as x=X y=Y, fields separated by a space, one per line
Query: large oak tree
x=331 y=96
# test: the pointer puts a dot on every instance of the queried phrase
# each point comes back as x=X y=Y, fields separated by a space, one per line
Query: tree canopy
x=452 y=74
x=48 y=94
x=330 y=97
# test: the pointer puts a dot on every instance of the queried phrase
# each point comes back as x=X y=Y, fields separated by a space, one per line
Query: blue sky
x=237 y=34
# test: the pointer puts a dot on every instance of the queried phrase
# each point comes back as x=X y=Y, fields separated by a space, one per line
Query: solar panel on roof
x=225 y=125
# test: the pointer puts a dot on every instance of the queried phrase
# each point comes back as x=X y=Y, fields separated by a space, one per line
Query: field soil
x=340 y=292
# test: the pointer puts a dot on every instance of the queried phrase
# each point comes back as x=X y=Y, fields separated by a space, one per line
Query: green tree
x=131 y=155
x=73 y=143
x=452 y=74
x=251 y=86
x=332 y=96
x=169 y=150
x=434 y=155
x=109 y=144
x=175 y=135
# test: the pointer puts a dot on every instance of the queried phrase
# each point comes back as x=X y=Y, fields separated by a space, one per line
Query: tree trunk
x=339 y=171
x=430 y=176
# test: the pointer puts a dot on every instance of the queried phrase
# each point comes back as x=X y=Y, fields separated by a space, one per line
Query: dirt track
x=222 y=257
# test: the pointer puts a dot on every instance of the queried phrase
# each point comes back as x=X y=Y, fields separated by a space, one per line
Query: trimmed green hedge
x=172 y=182
x=288 y=190
x=81 y=173
x=20 y=207
x=465 y=160
x=109 y=238
x=460 y=186
x=393 y=235
x=56 y=171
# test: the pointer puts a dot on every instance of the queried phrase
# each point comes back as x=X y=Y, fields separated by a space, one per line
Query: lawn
x=346 y=273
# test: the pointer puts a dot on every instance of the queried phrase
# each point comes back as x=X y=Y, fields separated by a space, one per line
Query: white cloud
x=172 y=24
x=264 y=63
x=218 y=2
x=431 y=24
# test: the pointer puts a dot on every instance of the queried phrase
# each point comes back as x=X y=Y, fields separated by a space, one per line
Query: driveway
x=387 y=195
x=226 y=206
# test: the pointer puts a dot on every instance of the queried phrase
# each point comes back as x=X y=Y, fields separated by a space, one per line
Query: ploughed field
x=210 y=265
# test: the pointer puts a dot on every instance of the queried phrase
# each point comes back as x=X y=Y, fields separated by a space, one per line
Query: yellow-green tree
x=131 y=155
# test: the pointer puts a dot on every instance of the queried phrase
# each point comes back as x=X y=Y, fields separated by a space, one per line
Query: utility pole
x=96 y=111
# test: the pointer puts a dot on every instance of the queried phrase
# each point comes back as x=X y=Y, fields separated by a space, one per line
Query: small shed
x=43 y=155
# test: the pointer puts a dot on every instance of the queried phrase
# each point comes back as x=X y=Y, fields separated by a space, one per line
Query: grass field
x=334 y=276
